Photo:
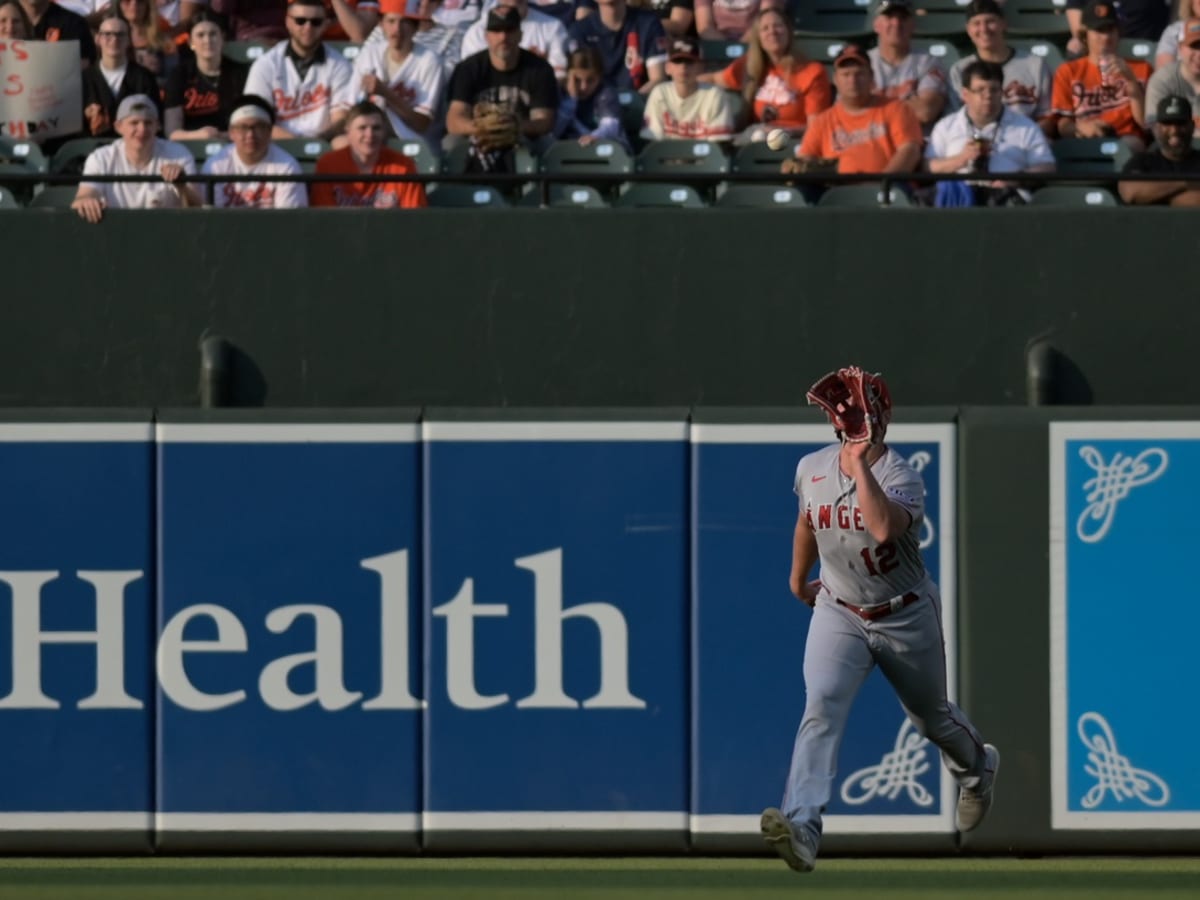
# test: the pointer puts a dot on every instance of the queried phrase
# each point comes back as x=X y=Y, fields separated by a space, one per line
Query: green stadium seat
x=1037 y=18
x=1046 y=49
x=648 y=194
x=863 y=195
x=833 y=18
x=716 y=55
x=8 y=200
x=244 y=51
x=55 y=196
x=944 y=53
x=454 y=162
x=633 y=106
x=305 y=151
x=761 y=196
x=1074 y=195
x=461 y=196
x=820 y=49
x=571 y=159
x=939 y=18
x=1102 y=157
x=758 y=157
x=1138 y=48
x=202 y=148
x=26 y=153
x=566 y=196
x=677 y=160
x=418 y=151
x=348 y=49
x=68 y=159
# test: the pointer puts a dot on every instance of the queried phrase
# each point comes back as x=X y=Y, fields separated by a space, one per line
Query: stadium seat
x=761 y=196
x=202 y=148
x=676 y=160
x=68 y=159
x=1037 y=18
x=305 y=151
x=1074 y=195
x=566 y=196
x=569 y=158
x=455 y=161
x=758 y=157
x=461 y=196
x=939 y=18
x=244 y=51
x=860 y=195
x=8 y=201
x=633 y=106
x=833 y=18
x=1046 y=49
x=944 y=53
x=1090 y=156
x=1139 y=49
x=55 y=196
x=26 y=153
x=645 y=194
x=348 y=49
x=418 y=151
x=820 y=49
x=716 y=55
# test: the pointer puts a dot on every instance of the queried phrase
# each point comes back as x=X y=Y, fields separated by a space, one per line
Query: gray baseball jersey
x=854 y=567
x=916 y=73
x=1163 y=83
x=1027 y=84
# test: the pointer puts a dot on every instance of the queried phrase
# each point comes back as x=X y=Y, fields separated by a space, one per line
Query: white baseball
x=777 y=138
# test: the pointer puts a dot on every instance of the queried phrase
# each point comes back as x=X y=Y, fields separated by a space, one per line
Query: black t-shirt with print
x=59 y=24
x=205 y=101
x=530 y=85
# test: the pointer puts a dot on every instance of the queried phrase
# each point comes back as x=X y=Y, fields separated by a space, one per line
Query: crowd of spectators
x=573 y=70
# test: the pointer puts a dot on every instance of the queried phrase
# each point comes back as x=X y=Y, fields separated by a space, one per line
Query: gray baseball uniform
x=1163 y=83
x=899 y=629
x=1027 y=84
x=914 y=74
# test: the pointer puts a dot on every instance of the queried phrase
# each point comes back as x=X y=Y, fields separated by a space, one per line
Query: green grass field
x=595 y=879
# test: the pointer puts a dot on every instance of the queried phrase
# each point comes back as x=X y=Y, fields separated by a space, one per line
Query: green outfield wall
x=620 y=307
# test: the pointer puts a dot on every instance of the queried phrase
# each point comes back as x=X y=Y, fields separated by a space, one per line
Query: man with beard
x=1180 y=78
x=1172 y=153
x=306 y=81
x=252 y=153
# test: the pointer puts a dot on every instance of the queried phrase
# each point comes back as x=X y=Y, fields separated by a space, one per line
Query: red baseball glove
x=858 y=404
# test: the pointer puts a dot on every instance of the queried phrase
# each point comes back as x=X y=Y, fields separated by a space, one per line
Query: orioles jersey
x=706 y=114
x=1081 y=92
x=303 y=105
x=916 y=73
x=854 y=566
x=420 y=79
x=251 y=193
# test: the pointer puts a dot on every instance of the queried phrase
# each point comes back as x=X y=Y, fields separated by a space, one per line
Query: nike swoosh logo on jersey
x=818 y=478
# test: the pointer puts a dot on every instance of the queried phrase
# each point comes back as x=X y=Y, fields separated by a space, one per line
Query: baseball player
x=861 y=506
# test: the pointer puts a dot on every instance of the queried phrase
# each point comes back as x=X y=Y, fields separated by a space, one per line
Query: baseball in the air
x=777 y=138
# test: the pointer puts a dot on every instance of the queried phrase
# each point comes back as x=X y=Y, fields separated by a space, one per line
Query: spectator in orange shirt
x=860 y=132
x=367 y=155
x=1101 y=95
x=781 y=87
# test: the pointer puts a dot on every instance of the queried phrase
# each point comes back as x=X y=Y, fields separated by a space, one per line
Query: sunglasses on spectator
x=314 y=21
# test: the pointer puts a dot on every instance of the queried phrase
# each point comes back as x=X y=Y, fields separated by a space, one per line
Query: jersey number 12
x=885 y=558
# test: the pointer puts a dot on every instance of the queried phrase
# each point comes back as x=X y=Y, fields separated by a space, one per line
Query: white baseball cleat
x=795 y=849
x=973 y=804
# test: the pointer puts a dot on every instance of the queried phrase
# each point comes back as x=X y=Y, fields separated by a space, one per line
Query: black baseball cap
x=684 y=48
x=983 y=8
x=887 y=7
x=1174 y=109
x=852 y=53
x=1100 y=15
x=503 y=18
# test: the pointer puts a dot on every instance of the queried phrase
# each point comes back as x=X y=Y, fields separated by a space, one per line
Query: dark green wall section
x=621 y=307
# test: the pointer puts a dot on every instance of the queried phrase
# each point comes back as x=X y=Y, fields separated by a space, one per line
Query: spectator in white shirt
x=985 y=136
x=683 y=108
x=136 y=152
x=252 y=153
x=403 y=79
